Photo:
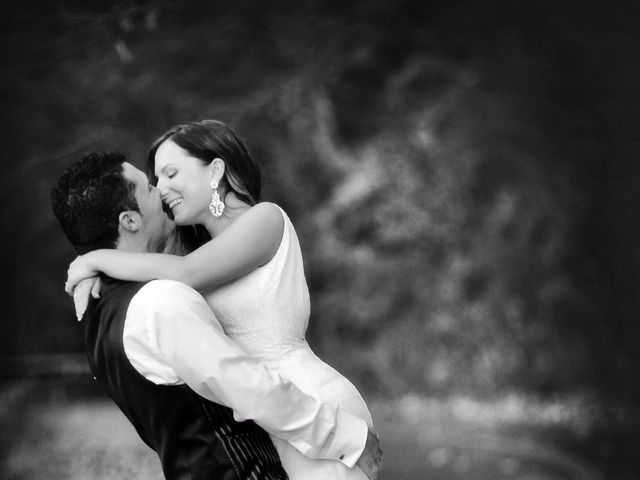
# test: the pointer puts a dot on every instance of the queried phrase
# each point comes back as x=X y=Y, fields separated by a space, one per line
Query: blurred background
x=463 y=176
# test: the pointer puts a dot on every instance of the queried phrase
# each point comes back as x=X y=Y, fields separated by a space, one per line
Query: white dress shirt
x=172 y=337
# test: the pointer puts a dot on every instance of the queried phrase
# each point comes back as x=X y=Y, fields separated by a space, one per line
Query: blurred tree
x=465 y=200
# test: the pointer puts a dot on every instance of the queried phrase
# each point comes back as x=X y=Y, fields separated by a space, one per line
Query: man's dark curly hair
x=88 y=199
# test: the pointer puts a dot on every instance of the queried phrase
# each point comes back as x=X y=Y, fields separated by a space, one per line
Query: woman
x=244 y=257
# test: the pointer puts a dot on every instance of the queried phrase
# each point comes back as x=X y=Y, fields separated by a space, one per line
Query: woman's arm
x=249 y=242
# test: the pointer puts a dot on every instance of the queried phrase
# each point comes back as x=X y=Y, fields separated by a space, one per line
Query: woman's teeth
x=175 y=202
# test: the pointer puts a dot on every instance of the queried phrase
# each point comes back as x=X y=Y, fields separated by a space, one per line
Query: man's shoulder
x=156 y=301
x=163 y=290
x=164 y=297
x=152 y=315
x=163 y=310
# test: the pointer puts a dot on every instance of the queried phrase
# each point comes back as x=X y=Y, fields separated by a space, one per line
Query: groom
x=191 y=393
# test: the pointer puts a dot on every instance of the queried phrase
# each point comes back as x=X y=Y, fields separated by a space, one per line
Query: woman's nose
x=162 y=189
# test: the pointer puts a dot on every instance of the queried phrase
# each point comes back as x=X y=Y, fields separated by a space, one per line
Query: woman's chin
x=182 y=220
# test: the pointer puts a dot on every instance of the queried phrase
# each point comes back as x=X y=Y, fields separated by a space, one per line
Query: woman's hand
x=84 y=289
x=79 y=270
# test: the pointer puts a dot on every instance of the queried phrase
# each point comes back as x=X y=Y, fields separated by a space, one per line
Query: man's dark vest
x=194 y=438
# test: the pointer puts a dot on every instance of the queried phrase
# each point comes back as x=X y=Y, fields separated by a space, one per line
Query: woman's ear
x=130 y=220
x=217 y=170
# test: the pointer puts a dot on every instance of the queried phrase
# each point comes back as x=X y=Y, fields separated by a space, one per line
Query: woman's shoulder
x=265 y=224
x=268 y=207
x=267 y=211
x=265 y=218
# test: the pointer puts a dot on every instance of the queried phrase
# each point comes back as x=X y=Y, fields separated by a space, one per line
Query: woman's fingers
x=68 y=286
x=95 y=290
x=76 y=273
x=81 y=296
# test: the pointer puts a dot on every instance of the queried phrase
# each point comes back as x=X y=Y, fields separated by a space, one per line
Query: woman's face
x=184 y=184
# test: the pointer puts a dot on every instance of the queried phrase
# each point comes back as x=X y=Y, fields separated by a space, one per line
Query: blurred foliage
x=461 y=174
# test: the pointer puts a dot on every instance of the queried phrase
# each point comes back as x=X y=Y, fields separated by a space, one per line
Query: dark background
x=463 y=175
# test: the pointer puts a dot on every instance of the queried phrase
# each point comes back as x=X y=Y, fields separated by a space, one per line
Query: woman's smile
x=175 y=202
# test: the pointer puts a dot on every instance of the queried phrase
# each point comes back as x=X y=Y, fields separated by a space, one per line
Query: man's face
x=156 y=226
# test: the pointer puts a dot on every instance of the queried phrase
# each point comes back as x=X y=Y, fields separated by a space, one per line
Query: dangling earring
x=216 y=207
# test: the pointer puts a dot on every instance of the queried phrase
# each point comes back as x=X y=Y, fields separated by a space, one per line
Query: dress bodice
x=267 y=311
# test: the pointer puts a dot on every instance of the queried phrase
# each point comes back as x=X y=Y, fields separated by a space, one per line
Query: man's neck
x=134 y=243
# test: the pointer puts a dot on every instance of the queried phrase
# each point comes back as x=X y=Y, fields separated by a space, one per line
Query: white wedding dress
x=266 y=312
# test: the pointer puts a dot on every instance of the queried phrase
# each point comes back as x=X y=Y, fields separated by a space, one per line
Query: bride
x=244 y=257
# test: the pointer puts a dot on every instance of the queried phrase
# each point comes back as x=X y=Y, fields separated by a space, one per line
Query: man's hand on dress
x=370 y=461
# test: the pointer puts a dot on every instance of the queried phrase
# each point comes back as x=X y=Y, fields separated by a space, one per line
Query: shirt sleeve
x=171 y=336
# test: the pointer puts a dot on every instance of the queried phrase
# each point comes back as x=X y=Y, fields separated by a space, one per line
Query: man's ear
x=130 y=220
x=217 y=170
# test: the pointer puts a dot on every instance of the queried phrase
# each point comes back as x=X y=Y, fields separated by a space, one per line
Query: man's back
x=194 y=437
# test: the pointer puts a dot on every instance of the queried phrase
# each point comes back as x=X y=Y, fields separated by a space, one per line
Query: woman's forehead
x=170 y=154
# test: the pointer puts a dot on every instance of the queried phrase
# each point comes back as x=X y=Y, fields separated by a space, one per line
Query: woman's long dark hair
x=206 y=140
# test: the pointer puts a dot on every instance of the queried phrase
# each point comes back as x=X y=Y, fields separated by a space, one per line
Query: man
x=164 y=359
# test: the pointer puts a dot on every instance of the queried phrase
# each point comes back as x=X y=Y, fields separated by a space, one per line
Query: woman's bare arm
x=249 y=242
